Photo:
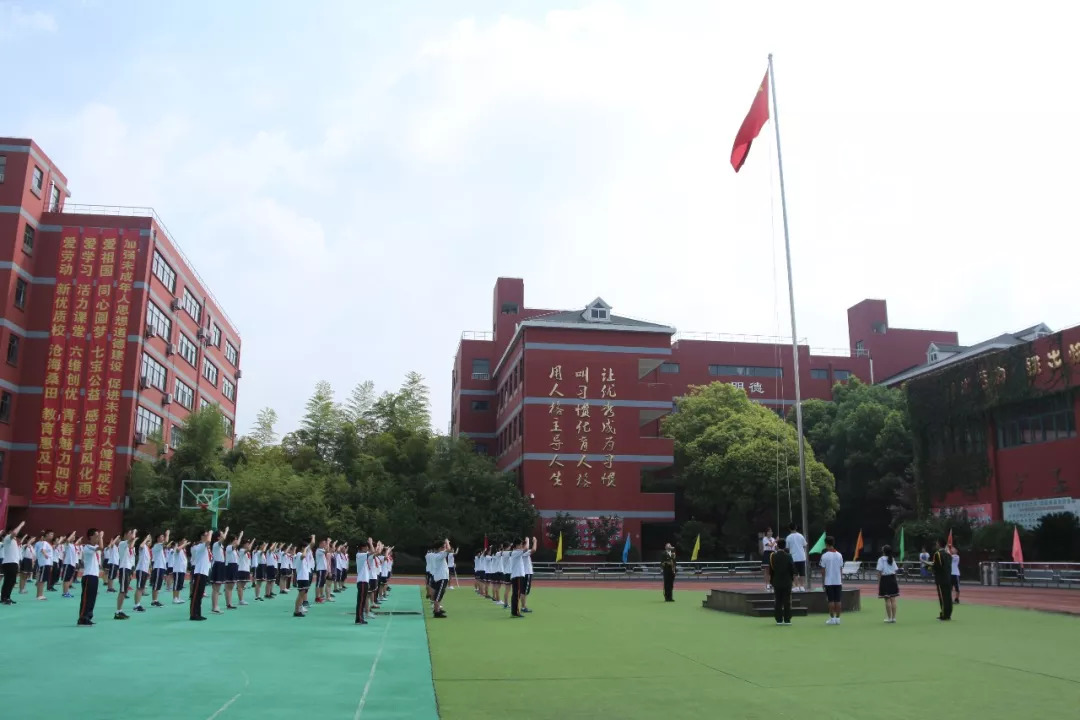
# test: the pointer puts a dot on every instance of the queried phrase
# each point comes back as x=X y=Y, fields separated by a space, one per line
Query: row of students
x=507 y=568
x=374 y=568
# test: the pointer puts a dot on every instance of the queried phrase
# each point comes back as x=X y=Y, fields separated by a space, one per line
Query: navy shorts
x=45 y=574
x=124 y=576
x=303 y=584
x=440 y=589
x=141 y=576
x=834 y=592
x=372 y=584
x=765 y=558
x=382 y=579
x=114 y=571
x=243 y=576
x=217 y=572
x=528 y=583
x=158 y=578
x=260 y=572
x=178 y=580
x=800 y=568
x=230 y=572
x=271 y=573
x=26 y=565
x=321 y=576
x=68 y=573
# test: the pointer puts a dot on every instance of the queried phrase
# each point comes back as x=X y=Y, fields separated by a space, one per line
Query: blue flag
x=626 y=550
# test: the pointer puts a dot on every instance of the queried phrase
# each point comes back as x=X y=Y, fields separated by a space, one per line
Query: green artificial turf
x=257 y=662
x=626 y=654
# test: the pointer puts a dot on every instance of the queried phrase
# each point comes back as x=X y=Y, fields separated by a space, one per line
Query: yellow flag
x=858 y=546
x=558 y=551
x=697 y=548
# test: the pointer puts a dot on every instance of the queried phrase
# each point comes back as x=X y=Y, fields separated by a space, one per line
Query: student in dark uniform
x=782 y=572
x=941 y=566
x=668 y=566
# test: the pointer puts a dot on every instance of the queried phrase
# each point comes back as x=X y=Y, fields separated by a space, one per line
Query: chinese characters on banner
x=583 y=423
x=96 y=363
x=754 y=388
x=47 y=486
x=106 y=458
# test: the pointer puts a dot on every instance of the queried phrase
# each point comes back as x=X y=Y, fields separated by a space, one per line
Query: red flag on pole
x=751 y=125
x=948 y=542
x=858 y=546
x=1018 y=552
x=485 y=542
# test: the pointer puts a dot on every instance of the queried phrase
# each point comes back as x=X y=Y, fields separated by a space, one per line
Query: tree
x=688 y=535
x=358 y=407
x=263 y=433
x=604 y=530
x=1057 y=538
x=321 y=419
x=564 y=525
x=736 y=461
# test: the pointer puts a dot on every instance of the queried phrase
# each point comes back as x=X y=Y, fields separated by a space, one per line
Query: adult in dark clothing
x=668 y=566
x=782 y=570
x=941 y=566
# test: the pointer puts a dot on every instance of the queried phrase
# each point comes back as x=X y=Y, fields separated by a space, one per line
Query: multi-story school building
x=110 y=338
x=571 y=401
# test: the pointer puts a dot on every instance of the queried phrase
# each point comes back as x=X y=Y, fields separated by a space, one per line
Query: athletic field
x=583 y=653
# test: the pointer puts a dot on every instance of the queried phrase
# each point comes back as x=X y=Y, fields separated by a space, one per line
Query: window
x=54 y=198
x=153 y=372
x=481 y=448
x=227 y=423
x=509 y=308
x=28 y=239
x=5 y=406
x=215 y=336
x=3 y=166
x=841 y=375
x=158 y=320
x=745 y=371
x=183 y=394
x=669 y=367
x=481 y=369
x=188 y=351
x=147 y=422
x=480 y=405
x=816 y=374
x=231 y=353
x=37 y=181
x=13 y=349
x=174 y=437
x=204 y=403
x=1043 y=420
x=228 y=389
x=164 y=273
x=598 y=313
x=209 y=371
x=194 y=309
x=20 y=293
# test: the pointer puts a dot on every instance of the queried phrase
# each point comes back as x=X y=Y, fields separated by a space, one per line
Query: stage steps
x=760 y=603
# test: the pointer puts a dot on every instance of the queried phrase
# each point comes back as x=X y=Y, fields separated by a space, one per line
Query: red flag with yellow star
x=751 y=125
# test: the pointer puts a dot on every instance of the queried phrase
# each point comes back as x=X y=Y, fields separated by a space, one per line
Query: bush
x=614 y=554
x=688 y=535
x=996 y=540
x=1057 y=538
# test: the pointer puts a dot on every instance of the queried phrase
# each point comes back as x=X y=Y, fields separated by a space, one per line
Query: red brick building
x=110 y=339
x=571 y=401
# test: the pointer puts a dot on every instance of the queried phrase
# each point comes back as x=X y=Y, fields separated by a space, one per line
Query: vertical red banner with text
x=48 y=446
x=71 y=378
x=107 y=443
x=97 y=356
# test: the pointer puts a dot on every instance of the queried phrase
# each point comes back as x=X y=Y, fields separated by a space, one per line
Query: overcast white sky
x=351 y=178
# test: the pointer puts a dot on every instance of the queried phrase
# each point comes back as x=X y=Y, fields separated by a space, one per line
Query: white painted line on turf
x=223 y=708
x=371 y=675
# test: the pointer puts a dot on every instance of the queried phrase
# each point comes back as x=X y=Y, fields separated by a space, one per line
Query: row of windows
x=183 y=393
x=153 y=372
x=191 y=305
x=510 y=434
x=727 y=370
x=210 y=371
x=232 y=354
x=159 y=321
x=164 y=272
x=146 y=422
x=481 y=369
x=1037 y=421
x=228 y=389
x=822 y=374
x=187 y=350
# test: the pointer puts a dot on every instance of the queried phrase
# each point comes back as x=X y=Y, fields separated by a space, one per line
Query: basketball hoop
x=203 y=506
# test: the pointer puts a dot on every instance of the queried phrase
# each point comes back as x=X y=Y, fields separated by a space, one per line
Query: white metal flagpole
x=791 y=298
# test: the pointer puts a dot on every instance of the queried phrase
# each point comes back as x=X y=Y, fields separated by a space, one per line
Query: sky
x=351 y=177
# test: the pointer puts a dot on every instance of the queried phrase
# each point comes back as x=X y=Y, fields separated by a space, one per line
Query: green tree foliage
x=388 y=477
x=566 y=525
x=995 y=540
x=605 y=530
x=263 y=434
x=736 y=460
x=1057 y=538
x=688 y=535
x=864 y=439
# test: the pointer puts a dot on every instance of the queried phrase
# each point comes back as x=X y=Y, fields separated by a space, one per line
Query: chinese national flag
x=751 y=125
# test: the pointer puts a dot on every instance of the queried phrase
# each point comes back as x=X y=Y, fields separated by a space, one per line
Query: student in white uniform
x=768 y=547
x=517 y=575
x=91 y=570
x=112 y=560
x=832 y=562
x=452 y=569
x=179 y=570
x=441 y=574
x=527 y=588
x=26 y=565
x=362 y=578
x=217 y=569
x=126 y=556
x=303 y=577
x=243 y=570
x=796 y=547
x=955 y=573
x=200 y=575
x=320 y=571
x=232 y=568
x=44 y=550
x=159 y=568
x=142 y=572
x=10 y=557
x=888 y=588
x=70 y=565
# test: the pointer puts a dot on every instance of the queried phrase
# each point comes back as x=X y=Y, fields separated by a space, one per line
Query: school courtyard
x=585 y=652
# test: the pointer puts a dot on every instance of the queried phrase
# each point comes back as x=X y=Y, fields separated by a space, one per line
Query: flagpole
x=791 y=299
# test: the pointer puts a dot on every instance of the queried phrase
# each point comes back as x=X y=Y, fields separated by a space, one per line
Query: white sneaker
x=177 y=601
x=243 y=602
x=218 y=612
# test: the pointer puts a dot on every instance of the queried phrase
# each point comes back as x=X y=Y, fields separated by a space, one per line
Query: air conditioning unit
x=140 y=438
x=238 y=373
x=169 y=349
x=175 y=304
x=143 y=383
x=149 y=332
x=201 y=334
x=166 y=398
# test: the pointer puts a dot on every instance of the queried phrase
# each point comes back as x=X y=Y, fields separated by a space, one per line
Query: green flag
x=901 y=543
x=819 y=546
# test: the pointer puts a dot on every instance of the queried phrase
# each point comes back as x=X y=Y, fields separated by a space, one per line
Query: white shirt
x=144 y=559
x=112 y=554
x=528 y=562
x=219 y=553
x=90 y=561
x=243 y=560
x=44 y=553
x=125 y=555
x=956 y=565
x=884 y=567
x=230 y=554
x=200 y=556
x=362 y=575
x=320 y=559
x=11 y=548
x=833 y=563
x=440 y=571
x=768 y=544
x=28 y=552
x=159 y=556
x=301 y=567
x=179 y=561
x=796 y=545
x=517 y=564
x=450 y=560
x=70 y=558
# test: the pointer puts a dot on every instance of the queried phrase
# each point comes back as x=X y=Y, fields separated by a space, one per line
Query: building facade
x=572 y=401
x=111 y=340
